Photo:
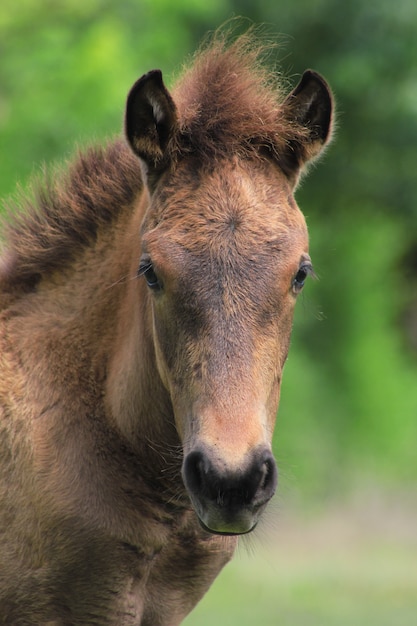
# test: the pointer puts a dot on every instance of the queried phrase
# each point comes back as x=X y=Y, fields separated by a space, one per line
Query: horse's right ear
x=151 y=122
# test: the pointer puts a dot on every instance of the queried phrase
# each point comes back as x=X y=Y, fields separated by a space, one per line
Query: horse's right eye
x=146 y=269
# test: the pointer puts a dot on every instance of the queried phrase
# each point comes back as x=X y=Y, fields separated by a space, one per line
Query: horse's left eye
x=300 y=277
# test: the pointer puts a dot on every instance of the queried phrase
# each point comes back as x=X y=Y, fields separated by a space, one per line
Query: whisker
x=121 y=281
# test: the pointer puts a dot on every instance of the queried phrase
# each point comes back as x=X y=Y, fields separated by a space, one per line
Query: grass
x=348 y=566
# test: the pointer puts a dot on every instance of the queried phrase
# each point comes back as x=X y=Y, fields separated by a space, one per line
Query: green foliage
x=67 y=67
x=349 y=400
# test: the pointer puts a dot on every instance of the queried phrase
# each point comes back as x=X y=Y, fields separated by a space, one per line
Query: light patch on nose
x=232 y=435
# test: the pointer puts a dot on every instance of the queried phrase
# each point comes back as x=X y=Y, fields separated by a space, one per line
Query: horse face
x=224 y=256
x=224 y=261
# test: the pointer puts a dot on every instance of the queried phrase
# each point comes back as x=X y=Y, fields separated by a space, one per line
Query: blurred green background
x=341 y=544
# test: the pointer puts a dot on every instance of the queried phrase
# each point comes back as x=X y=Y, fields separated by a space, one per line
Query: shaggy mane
x=230 y=101
x=227 y=102
x=49 y=230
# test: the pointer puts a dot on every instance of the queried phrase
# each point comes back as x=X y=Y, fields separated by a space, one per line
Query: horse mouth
x=225 y=532
x=227 y=521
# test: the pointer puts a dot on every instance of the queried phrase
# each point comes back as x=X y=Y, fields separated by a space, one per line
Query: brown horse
x=146 y=303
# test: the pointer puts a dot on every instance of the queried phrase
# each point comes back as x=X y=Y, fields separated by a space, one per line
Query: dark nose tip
x=220 y=493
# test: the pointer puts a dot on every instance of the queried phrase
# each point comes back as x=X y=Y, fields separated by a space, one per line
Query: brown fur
x=108 y=389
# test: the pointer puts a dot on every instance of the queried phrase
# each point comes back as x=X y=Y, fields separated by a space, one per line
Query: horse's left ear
x=151 y=121
x=310 y=106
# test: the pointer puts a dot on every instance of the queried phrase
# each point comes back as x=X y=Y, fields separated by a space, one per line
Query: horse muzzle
x=229 y=501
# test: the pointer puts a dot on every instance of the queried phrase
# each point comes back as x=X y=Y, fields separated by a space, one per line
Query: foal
x=146 y=304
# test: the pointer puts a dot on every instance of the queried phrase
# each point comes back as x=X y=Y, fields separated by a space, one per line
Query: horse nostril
x=268 y=474
x=265 y=475
x=268 y=479
x=195 y=471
